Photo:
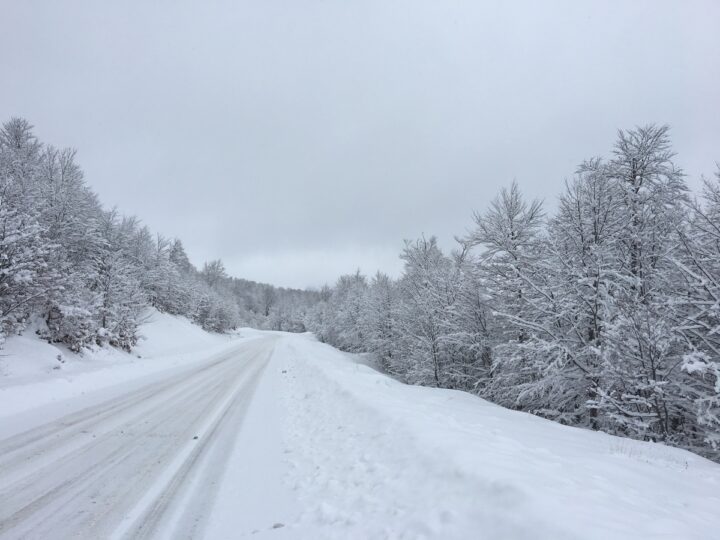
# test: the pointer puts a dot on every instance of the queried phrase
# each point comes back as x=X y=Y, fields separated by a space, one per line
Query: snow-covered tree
x=642 y=388
x=509 y=236
x=697 y=312
x=428 y=290
x=379 y=320
x=603 y=315
x=26 y=278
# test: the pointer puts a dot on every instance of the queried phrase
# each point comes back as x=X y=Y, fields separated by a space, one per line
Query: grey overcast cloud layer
x=299 y=140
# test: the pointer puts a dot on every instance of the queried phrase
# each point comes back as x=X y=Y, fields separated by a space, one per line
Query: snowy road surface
x=296 y=440
x=123 y=467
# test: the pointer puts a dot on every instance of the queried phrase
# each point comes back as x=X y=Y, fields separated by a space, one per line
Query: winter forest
x=86 y=273
x=603 y=314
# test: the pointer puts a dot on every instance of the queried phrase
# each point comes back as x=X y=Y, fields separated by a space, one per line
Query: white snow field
x=272 y=435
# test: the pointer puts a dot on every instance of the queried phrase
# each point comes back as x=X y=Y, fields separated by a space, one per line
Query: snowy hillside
x=34 y=372
x=161 y=334
x=274 y=435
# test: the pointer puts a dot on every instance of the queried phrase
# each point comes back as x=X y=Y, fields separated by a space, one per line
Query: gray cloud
x=297 y=140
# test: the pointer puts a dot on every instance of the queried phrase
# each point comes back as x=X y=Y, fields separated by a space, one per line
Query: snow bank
x=163 y=335
x=368 y=457
x=34 y=373
x=24 y=357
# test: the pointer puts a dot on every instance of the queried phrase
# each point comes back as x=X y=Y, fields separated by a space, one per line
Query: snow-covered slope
x=34 y=372
x=28 y=358
x=165 y=335
x=368 y=457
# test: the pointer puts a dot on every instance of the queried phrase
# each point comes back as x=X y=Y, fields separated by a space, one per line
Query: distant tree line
x=87 y=275
x=605 y=314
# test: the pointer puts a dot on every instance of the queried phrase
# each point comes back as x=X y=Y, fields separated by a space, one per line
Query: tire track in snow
x=205 y=462
x=95 y=415
x=68 y=434
x=60 y=481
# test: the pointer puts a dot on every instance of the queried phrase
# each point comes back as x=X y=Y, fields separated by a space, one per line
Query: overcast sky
x=300 y=140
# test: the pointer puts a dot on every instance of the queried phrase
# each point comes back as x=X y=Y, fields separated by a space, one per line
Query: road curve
x=141 y=465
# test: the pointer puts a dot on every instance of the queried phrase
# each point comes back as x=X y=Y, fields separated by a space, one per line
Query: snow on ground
x=368 y=457
x=142 y=464
x=164 y=335
x=34 y=373
x=322 y=446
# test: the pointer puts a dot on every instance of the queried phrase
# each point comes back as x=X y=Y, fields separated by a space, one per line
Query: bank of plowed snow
x=368 y=457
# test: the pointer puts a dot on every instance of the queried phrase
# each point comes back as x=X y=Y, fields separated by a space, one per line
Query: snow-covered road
x=144 y=461
x=296 y=440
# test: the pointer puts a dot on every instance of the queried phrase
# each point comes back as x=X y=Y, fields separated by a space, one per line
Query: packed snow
x=303 y=441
